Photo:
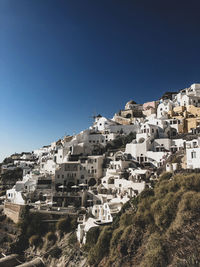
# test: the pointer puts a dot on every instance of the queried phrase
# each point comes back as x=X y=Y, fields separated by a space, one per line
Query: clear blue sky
x=63 y=60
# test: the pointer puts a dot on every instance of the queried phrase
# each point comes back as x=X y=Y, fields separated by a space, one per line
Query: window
x=58 y=176
x=62 y=176
x=193 y=155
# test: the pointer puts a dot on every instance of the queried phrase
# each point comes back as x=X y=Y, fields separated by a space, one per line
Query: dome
x=131 y=102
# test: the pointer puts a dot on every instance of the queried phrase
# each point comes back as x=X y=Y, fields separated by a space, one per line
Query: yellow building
x=189 y=117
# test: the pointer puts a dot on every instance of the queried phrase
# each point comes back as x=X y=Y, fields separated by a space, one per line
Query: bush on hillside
x=165 y=176
x=51 y=237
x=64 y=225
x=92 y=236
x=35 y=240
x=102 y=246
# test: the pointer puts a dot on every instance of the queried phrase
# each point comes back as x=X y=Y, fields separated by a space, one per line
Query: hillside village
x=101 y=168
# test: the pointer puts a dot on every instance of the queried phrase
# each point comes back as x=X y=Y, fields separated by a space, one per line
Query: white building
x=192 y=157
x=102 y=124
x=163 y=108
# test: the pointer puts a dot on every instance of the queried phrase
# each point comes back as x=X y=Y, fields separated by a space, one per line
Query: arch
x=92 y=181
x=111 y=180
x=128 y=116
x=141 y=140
x=118 y=154
x=57 y=187
x=41 y=196
x=69 y=185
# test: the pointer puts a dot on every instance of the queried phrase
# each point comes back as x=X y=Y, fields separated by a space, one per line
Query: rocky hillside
x=161 y=227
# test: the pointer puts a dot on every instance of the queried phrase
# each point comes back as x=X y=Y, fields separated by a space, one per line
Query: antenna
x=93 y=115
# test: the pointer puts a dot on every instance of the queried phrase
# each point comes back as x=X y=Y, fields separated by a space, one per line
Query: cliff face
x=161 y=227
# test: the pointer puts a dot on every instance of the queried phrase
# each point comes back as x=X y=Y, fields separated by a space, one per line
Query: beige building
x=79 y=172
x=189 y=117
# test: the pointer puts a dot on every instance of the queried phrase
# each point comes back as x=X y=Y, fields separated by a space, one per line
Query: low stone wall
x=38 y=262
x=13 y=211
x=9 y=261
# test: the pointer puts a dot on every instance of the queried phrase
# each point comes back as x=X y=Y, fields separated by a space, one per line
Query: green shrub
x=55 y=252
x=101 y=248
x=116 y=235
x=146 y=193
x=35 y=240
x=72 y=239
x=126 y=219
x=155 y=252
x=191 y=182
x=165 y=176
x=92 y=236
x=188 y=209
x=50 y=236
x=64 y=225
x=74 y=223
x=2 y=193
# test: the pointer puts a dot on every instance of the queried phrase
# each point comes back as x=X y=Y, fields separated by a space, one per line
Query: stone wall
x=13 y=211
